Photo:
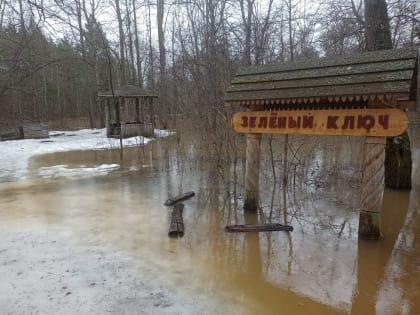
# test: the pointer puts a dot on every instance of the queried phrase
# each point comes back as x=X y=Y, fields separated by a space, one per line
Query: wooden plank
x=378 y=122
x=269 y=227
x=182 y=197
x=176 y=228
x=252 y=172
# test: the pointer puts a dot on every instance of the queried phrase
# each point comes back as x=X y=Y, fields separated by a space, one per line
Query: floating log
x=176 y=228
x=182 y=197
x=258 y=227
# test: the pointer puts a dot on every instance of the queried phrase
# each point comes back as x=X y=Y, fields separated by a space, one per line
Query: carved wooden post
x=252 y=172
x=372 y=187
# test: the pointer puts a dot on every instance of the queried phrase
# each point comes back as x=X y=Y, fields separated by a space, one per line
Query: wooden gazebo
x=363 y=94
x=129 y=111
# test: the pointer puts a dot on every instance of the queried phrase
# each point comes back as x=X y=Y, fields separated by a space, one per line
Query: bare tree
x=137 y=46
x=377 y=30
x=161 y=40
x=343 y=28
x=247 y=14
x=130 y=44
x=121 y=41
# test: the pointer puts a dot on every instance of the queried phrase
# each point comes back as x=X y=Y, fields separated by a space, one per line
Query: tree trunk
x=247 y=21
x=398 y=163
x=161 y=40
x=137 y=46
x=398 y=152
x=22 y=17
x=377 y=32
x=162 y=60
x=122 y=42
x=150 y=74
x=289 y=19
x=130 y=45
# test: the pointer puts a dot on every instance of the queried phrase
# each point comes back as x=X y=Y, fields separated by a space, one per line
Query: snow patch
x=15 y=154
x=163 y=133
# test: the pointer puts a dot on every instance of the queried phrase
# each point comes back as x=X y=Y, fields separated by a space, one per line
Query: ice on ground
x=15 y=154
x=66 y=171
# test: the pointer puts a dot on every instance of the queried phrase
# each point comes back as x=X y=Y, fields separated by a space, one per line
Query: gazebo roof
x=127 y=91
x=389 y=76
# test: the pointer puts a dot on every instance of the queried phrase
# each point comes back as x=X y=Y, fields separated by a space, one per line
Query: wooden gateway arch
x=361 y=95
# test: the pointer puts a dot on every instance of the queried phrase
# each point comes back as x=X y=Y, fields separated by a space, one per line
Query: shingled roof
x=127 y=91
x=388 y=76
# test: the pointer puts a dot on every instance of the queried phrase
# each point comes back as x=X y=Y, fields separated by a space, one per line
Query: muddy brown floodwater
x=98 y=244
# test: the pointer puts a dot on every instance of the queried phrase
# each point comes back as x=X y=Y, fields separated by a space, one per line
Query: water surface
x=319 y=268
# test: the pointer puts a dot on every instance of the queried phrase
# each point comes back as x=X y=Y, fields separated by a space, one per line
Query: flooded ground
x=75 y=241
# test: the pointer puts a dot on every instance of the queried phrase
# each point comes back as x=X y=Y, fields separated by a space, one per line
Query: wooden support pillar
x=127 y=104
x=372 y=187
x=142 y=104
x=122 y=117
x=252 y=172
x=152 y=112
x=107 y=118
x=117 y=106
x=137 y=115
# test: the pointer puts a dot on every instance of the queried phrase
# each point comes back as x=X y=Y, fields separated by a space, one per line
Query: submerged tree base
x=370 y=225
x=398 y=163
x=251 y=202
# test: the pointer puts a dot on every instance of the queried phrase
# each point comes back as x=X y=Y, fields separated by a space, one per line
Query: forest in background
x=55 y=55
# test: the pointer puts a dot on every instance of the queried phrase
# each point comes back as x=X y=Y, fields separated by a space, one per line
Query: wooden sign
x=378 y=122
